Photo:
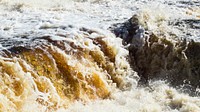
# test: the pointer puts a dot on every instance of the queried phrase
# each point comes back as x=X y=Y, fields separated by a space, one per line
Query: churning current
x=99 y=55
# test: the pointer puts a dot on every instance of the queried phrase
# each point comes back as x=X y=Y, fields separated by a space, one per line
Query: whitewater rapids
x=59 y=55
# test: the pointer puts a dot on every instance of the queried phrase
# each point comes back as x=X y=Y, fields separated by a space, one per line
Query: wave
x=87 y=55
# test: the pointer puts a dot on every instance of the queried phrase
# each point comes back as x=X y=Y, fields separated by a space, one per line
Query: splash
x=61 y=56
x=58 y=70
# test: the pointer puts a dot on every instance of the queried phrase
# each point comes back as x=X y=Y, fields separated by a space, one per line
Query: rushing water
x=66 y=56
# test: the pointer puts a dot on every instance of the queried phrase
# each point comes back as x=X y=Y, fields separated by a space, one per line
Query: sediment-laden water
x=99 y=55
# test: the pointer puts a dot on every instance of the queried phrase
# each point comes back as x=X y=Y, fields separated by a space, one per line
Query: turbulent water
x=99 y=55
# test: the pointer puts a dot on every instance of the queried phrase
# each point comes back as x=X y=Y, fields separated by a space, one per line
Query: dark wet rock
x=161 y=58
x=130 y=31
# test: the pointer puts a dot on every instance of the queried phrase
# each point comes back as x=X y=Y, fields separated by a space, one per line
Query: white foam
x=27 y=17
x=160 y=98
